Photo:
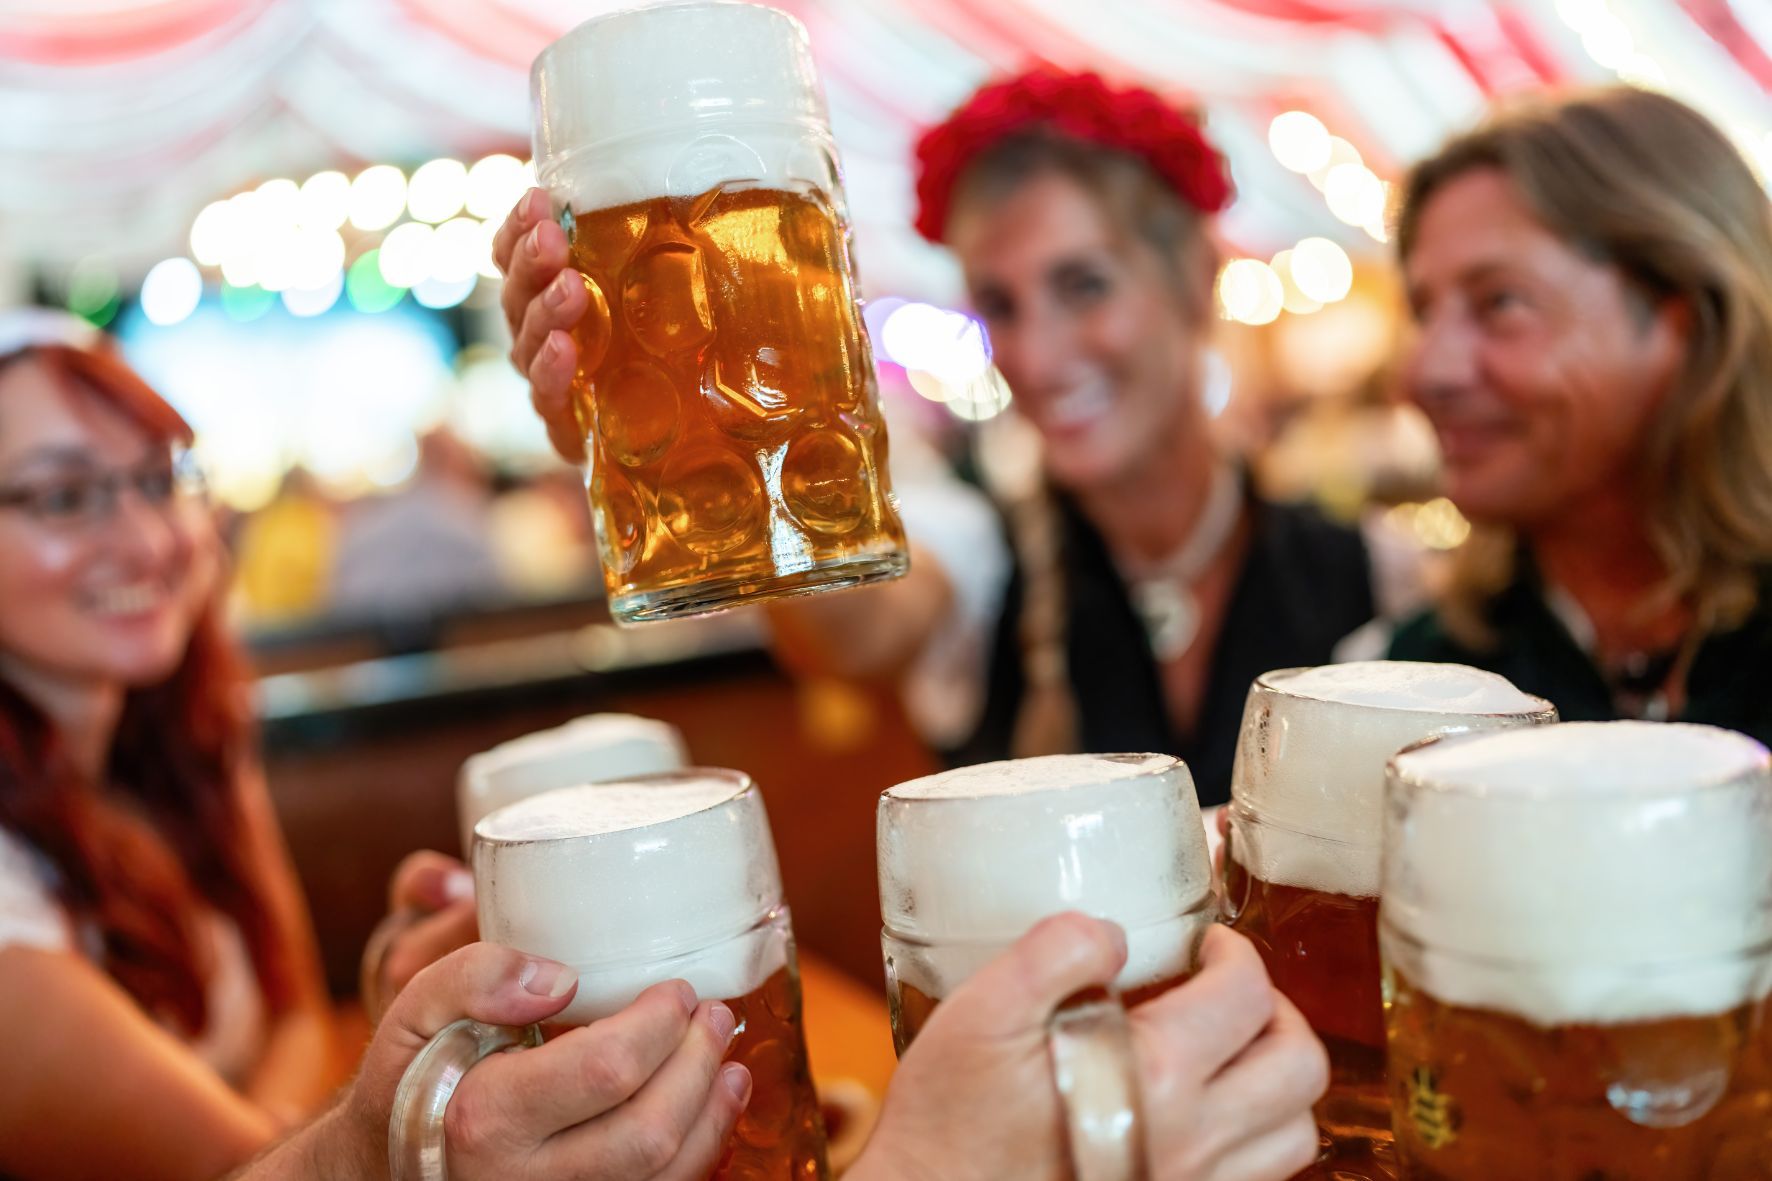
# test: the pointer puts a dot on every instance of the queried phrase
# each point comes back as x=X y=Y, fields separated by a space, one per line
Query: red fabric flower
x=1084 y=106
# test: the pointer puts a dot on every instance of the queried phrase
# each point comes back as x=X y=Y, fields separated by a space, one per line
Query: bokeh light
x=212 y=233
x=1322 y=270
x=1292 y=299
x=1250 y=292
x=456 y=250
x=437 y=190
x=1340 y=152
x=1354 y=194
x=366 y=289
x=1299 y=141
x=324 y=201
x=245 y=304
x=378 y=197
x=314 y=301
x=442 y=293
x=171 y=291
x=93 y=290
x=494 y=184
x=407 y=254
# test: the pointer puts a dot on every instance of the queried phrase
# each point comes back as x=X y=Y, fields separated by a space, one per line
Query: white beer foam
x=635 y=882
x=1308 y=786
x=1584 y=873
x=673 y=100
x=972 y=858
x=591 y=749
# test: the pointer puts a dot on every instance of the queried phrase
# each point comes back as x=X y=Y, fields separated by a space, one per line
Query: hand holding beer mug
x=970 y=859
x=725 y=388
x=1301 y=870
x=1577 y=935
x=631 y=884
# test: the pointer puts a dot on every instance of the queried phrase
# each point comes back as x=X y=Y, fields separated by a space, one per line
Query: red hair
x=140 y=856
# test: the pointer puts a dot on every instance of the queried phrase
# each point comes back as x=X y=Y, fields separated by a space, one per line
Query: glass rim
x=1167 y=765
x=1265 y=683
x=745 y=788
x=1397 y=779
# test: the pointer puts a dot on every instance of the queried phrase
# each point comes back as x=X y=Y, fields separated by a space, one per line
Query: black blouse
x=1305 y=584
x=1729 y=683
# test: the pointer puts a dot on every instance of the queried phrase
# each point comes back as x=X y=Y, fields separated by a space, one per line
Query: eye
x=67 y=500
x=1081 y=286
x=157 y=484
x=992 y=306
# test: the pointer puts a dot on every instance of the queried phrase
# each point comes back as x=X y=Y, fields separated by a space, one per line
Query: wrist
x=339 y=1145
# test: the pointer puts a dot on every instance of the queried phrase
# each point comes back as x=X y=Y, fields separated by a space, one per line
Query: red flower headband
x=1083 y=106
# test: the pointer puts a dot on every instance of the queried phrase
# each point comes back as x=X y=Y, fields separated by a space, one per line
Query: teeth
x=1081 y=405
x=129 y=600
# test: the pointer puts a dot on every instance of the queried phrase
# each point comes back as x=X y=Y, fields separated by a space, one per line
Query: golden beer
x=725 y=388
x=1302 y=863
x=1483 y=1094
x=1321 y=950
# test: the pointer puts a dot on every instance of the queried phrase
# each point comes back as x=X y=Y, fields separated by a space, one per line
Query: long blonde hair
x=1645 y=183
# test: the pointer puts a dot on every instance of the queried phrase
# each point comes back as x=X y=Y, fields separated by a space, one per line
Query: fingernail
x=723 y=1022
x=1117 y=934
x=737 y=1080
x=554 y=346
x=458 y=885
x=557 y=292
x=532 y=243
x=547 y=978
x=535 y=204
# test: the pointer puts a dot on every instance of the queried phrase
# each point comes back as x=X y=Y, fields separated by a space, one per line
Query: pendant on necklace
x=1171 y=617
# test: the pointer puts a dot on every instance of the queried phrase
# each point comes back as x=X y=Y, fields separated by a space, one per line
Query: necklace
x=1163 y=595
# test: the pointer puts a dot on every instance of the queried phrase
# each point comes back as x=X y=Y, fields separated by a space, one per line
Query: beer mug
x=1577 y=935
x=1301 y=870
x=970 y=859
x=630 y=883
x=592 y=749
x=725 y=386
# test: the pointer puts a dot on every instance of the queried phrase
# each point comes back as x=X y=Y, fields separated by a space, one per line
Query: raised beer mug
x=592 y=749
x=1577 y=936
x=668 y=876
x=970 y=859
x=725 y=387
x=1301 y=868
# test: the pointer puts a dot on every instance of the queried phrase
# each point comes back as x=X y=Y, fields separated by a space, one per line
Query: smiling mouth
x=137 y=598
x=1078 y=408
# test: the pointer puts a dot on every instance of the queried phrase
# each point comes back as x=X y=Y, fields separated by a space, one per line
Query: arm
x=871 y=633
x=84 y=1058
x=294 y=1074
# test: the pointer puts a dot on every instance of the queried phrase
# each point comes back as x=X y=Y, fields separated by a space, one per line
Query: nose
x=1035 y=350
x=1442 y=362
x=145 y=531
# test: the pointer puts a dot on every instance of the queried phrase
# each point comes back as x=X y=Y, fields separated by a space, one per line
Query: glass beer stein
x=725 y=388
x=970 y=859
x=1577 y=938
x=669 y=876
x=1301 y=868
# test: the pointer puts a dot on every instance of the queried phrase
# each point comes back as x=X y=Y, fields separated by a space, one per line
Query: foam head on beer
x=1585 y=872
x=973 y=857
x=634 y=882
x=1312 y=752
x=590 y=749
x=700 y=94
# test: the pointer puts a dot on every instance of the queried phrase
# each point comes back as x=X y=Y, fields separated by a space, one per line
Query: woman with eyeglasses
x=162 y=1011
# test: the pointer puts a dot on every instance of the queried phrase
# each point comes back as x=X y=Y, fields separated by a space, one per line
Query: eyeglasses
x=91 y=498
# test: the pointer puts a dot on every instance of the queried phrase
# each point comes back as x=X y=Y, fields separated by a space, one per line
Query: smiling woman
x=1592 y=284
x=149 y=919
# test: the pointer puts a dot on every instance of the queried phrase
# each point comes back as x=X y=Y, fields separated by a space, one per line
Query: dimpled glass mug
x=725 y=387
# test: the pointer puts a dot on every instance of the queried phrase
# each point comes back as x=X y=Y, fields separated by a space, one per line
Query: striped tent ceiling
x=119 y=119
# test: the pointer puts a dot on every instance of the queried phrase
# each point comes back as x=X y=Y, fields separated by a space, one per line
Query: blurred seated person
x=424 y=548
x=160 y=992
x=1591 y=280
x=541 y=532
x=1228 y=1070
x=1124 y=596
x=284 y=552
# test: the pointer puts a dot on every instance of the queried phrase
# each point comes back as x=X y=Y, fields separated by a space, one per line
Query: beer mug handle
x=416 y=1150
x=1097 y=1077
